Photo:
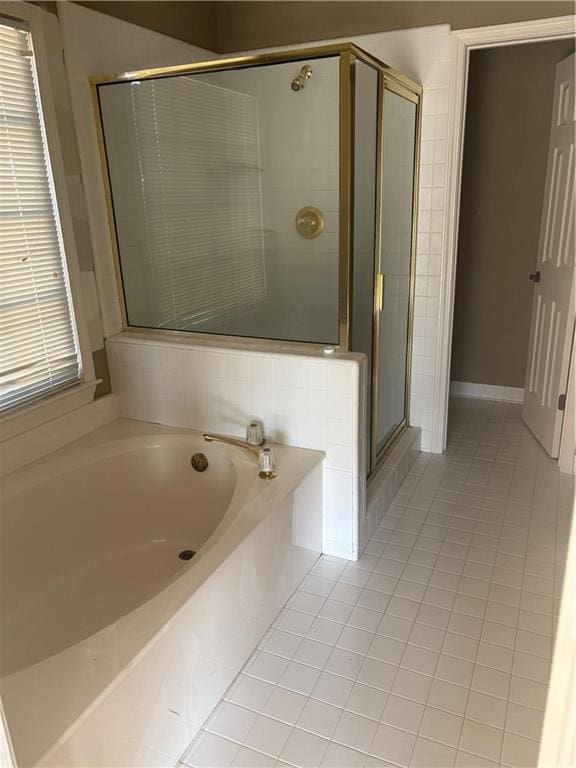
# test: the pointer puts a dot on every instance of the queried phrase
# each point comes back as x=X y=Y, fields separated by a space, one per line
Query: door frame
x=463 y=42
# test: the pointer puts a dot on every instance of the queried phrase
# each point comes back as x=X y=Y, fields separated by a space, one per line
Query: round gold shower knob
x=309 y=222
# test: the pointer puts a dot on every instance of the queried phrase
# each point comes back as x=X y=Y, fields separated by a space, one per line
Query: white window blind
x=38 y=346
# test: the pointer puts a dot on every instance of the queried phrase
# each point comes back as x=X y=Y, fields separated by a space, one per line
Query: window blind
x=38 y=346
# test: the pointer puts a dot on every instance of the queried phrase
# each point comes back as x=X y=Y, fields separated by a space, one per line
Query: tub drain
x=186 y=554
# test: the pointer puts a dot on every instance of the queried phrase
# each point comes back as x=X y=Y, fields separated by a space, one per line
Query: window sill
x=35 y=415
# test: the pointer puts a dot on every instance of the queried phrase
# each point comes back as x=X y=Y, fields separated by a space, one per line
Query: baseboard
x=487 y=391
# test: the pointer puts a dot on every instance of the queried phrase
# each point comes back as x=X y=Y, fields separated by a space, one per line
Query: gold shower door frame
x=388 y=79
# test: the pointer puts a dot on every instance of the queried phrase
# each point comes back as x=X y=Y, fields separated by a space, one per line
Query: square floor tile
x=304 y=749
x=524 y=721
x=249 y=758
x=319 y=718
x=427 y=637
x=355 y=731
x=324 y=631
x=344 y=663
x=480 y=739
x=367 y=701
x=346 y=593
x=403 y=713
x=377 y=673
x=454 y=670
x=395 y=627
x=419 y=659
x=495 y=656
x=441 y=726
x=332 y=689
x=433 y=616
x=364 y=618
x=211 y=751
x=306 y=602
x=313 y=653
x=412 y=685
x=299 y=678
x=528 y=692
x=267 y=666
x=386 y=649
x=448 y=696
x=334 y=610
x=250 y=692
x=393 y=745
x=375 y=601
x=338 y=756
x=354 y=639
x=232 y=722
x=284 y=705
x=462 y=647
x=282 y=643
x=518 y=751
x=268 y=736
x=491 y=681
x=486 y=709
x=295 y=621
x=431 y=754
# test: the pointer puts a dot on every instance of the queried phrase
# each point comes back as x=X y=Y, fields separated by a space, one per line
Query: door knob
x=535 y=276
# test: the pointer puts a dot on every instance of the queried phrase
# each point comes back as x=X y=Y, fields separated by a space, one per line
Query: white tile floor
x=434 y=648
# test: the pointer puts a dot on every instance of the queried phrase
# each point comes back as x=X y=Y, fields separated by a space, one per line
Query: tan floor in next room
x=434 y=648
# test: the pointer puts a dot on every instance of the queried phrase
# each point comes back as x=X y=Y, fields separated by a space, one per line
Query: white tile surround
x=309 y=402
x=433 y=650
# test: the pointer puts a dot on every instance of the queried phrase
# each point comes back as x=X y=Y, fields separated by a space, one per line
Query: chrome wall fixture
x=309 y=222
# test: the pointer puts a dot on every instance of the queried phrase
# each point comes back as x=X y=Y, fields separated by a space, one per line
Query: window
x=39 y=351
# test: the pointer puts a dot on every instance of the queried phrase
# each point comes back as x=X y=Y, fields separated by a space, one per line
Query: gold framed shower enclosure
x=350 y=57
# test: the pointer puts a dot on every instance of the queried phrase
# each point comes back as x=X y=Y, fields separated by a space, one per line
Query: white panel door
x=553 y=307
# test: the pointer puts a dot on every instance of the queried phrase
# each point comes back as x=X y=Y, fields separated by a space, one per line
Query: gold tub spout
x=254 y=438
x=210 y=438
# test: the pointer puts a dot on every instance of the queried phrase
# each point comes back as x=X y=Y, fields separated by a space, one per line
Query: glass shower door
x=393 y=269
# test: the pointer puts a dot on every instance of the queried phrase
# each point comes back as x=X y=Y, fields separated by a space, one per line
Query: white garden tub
x=113 y=649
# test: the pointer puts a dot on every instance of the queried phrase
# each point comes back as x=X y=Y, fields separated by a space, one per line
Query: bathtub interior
x=84 y=547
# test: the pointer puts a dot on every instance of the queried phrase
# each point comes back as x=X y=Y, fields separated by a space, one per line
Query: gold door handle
x=380 y=292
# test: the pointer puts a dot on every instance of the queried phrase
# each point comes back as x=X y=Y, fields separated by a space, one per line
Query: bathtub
x=114 y=649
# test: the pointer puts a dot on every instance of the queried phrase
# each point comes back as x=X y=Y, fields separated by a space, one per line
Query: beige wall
x=238 y=25
x=193 y=22
x=245 y=25
x=505 y=154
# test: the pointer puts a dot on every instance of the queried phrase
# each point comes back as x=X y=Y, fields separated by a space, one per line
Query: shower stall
x=273 y=198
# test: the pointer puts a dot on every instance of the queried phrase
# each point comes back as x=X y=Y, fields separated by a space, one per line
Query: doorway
x=505 y=180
